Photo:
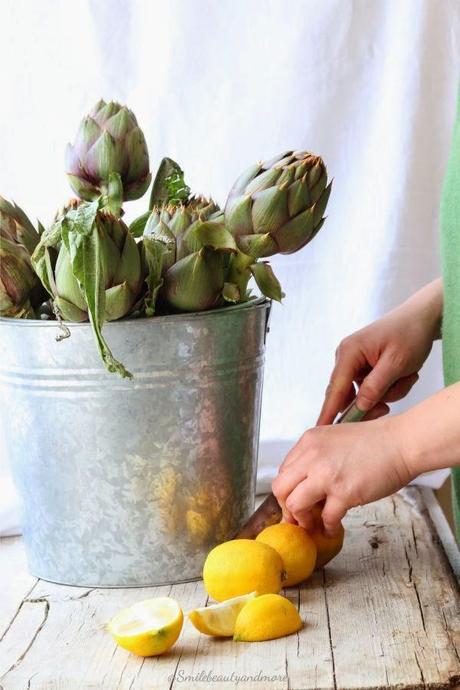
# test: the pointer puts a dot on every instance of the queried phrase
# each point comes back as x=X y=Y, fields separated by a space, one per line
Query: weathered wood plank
x=15 y=581
x=394 y=582
x=442 y=530
x=385 y=613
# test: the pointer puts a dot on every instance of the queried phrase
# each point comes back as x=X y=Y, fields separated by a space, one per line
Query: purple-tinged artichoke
x=108 y=141
x=15 y=225
x=19 y=283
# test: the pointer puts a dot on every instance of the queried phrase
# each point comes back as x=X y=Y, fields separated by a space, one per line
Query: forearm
x=429 y=433
x=427 y=303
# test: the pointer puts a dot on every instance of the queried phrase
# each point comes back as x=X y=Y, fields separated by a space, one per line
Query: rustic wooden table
x=384 y=614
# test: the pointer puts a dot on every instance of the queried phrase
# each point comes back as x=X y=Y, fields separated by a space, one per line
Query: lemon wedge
x=266 y=618
x=148 y=628
x=219 y=620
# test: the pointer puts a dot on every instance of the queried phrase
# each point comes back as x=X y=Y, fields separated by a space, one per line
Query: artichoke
x=19 y=284
x=93 y=268
x=17 y=280
x=196 y=247
x=277 y=206
x=109 y=141
x=15 y=225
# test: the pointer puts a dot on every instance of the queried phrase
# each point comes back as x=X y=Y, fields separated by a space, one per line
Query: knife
x=269 y=511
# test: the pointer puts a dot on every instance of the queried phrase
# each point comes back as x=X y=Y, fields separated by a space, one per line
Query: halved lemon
x=148 y=628
x=219 y=619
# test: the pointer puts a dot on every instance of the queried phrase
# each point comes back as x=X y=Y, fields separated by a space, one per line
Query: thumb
x=376 y=384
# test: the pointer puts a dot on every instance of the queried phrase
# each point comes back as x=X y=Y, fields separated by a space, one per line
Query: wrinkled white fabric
x=370 y=86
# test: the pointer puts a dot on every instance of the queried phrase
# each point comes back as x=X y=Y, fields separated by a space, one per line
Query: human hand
x=384 y=358
x=346 y=465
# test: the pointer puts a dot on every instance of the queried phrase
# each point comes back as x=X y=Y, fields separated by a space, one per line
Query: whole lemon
x=242 y=566
x=328 y=547
x=266 y=618
x=296 y=548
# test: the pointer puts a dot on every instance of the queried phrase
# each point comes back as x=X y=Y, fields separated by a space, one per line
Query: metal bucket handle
x=267 y=320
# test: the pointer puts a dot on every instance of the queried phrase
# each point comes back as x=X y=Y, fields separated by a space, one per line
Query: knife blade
x=269 y=511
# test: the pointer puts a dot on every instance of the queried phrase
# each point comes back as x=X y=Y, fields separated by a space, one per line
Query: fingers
x=400 y=388
x=286 y=481
x=340 y=390
x=380 y=410
x=377 y=383
x=301 y=500
x=306 y=520
x=337 y=398
x=333 y=513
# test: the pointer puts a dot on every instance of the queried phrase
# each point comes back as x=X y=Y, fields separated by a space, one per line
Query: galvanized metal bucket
x=130 y=483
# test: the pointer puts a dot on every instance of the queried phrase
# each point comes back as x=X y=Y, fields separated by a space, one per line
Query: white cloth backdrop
x=368 y=84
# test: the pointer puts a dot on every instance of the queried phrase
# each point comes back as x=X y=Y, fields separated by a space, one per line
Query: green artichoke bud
x=121 y=265
x=93 y=268
x=172 y=224
x=196 y=282
x=108 y=141
x=19 y=284
x=277 y=206
x=196 y=247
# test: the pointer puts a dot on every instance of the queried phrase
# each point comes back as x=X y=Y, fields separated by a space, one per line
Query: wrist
x=407 y=455
x=408 y=443
x=427 y=306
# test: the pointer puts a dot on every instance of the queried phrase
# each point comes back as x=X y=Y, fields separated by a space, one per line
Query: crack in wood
x=414 y=585
x=173 y=674
x=30 y=680
x=16 y=613
x=131 y=685
x=122 y=672
x=449 y=635
x=81 y=596
x=409 y=564
x=328 y=620
x=108 y=669
x=422 y=616
x=414 y=538
x=34 y=637
x=422 y=677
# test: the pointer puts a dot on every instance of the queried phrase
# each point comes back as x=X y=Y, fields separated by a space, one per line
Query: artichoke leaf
x=169 y=185
x=213 y=234
x=231 y=293
x=137 y=227
x=258 y=246
x=270 y=209
x=114 y=198
x=266 y=281
x=321 y=204
x=81 y=238
x=154 y=254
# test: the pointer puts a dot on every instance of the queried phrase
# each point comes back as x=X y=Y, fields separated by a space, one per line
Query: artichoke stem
x=239 y=272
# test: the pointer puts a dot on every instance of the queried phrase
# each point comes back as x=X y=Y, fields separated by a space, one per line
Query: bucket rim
x=257 y=303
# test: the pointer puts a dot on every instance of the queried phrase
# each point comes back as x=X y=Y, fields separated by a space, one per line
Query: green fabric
x=450 y=248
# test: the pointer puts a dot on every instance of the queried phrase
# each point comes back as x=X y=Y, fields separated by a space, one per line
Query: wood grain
x=384 y=614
